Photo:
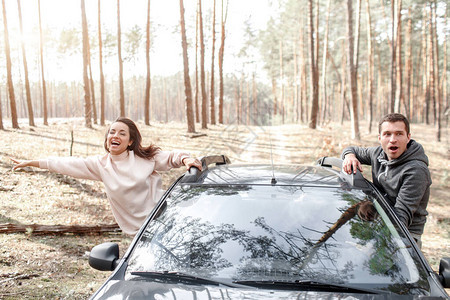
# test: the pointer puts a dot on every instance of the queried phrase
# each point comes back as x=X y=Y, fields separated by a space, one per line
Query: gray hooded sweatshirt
x=405 y=181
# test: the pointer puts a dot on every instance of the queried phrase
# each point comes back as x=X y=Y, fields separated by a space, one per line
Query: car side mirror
x=444 y=272
x=104 y=257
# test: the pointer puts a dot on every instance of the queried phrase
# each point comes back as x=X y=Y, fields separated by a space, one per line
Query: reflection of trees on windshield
x=193 y=193
x=386 y=259
x=302 y=253
x=188 y=244
x=370 y=230
x=185 y=243
x=317 y=258
x=286 y=254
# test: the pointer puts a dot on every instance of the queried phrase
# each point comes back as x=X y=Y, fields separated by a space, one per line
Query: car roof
x=225 y=173
x=263 y=174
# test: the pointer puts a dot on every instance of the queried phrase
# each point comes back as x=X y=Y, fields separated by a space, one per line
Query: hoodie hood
x=414 y=152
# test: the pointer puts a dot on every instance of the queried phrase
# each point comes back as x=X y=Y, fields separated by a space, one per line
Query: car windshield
x=236 y=233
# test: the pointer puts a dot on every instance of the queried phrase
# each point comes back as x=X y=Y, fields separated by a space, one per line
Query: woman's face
x=118 y=138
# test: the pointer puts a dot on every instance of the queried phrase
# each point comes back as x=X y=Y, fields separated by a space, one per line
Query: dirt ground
x=56 y=267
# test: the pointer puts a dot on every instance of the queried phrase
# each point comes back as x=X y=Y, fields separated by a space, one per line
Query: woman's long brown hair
x=135 y=136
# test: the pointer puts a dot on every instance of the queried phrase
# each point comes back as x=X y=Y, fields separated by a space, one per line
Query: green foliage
x=133 y=40
x=70 y=41
x=109 y=44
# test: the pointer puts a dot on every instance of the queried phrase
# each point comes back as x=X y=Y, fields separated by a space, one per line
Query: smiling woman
x=128 y=171
x=118 y=138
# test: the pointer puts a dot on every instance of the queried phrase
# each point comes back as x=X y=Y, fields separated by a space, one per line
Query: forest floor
x=56 y=267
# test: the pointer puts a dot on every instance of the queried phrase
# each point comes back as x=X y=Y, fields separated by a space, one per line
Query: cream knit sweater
x=132 y=183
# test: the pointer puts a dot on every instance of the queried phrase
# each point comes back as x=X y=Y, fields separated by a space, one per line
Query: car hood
x=120 y=289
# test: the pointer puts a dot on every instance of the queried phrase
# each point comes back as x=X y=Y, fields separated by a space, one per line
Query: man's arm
x=354 y=157
x=351 y=163
x=415 y=184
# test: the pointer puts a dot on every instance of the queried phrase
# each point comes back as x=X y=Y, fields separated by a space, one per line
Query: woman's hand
x=192 y=162
x=20 y=164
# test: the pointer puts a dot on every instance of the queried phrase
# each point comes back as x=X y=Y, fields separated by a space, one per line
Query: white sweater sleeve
x=83 y=168
x=166 y=160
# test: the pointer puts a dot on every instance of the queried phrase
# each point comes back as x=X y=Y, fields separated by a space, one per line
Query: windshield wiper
x=308 y=285
x=179 y=277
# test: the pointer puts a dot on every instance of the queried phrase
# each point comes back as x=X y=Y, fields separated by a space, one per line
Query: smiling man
x=399 y=170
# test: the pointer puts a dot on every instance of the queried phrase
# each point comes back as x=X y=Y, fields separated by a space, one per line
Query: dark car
x=270 y=232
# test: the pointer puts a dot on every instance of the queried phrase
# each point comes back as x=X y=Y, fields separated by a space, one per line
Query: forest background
x=216 y=75
x=260 y=62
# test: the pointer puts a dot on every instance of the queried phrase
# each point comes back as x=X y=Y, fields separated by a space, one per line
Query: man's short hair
x=395 y=117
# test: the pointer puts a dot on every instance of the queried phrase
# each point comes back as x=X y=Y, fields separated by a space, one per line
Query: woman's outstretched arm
x=78 y=167
x=20 y=164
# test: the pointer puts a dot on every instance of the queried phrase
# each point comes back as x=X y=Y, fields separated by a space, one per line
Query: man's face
x=394 y=139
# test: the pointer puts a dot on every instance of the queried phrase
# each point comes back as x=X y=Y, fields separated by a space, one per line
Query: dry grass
x=56 y=267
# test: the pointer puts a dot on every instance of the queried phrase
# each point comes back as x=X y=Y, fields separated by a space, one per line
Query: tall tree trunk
x=432 y=57
x=236 y=97
x=357 y=35
x=147 y=60
x=296 y=98
x=399 y=93
x=425 y=67
x=92 y=86
x=102 y=76
x=314 y=72
x=436 y=79
x=282 y=100
x=324 y=61
x=119 y=54
x=317 y=45
x=348 y=214
x=382 y=106
x=87 y=97
x=370 y=65
x=221 y=56
x=187 y=80
x=12 y=98
x=344 y=82
x=356 y=50
x=202 y=69
x=352 y=73
x=212 y=102
x=445 y=110
x=248 y=106
x=241 y=100
x=254 y=100
x=41 y=55
x=25 y=67
x=274 y=92
x=408 y=66
x=393 y=61
x=302 y=61
x=197 y=113
x=1 y=114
